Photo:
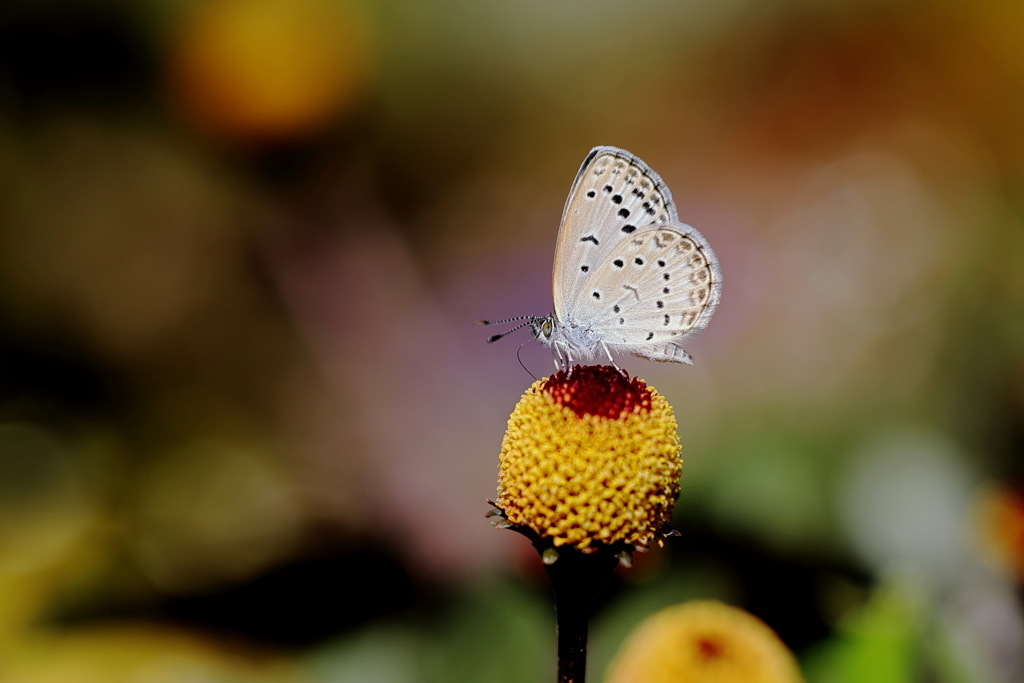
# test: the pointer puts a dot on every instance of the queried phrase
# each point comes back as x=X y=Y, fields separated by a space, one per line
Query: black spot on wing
x=589 y=238
x=650 y=336
x=617 y=198
x=584 y=268
x=591 y=194
x=628 y=228
x=618 y=263
x=624 y=213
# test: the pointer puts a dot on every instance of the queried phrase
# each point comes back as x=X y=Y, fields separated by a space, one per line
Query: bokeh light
x=269 y=69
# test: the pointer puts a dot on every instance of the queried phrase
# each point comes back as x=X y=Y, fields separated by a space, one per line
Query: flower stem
x=576 y=579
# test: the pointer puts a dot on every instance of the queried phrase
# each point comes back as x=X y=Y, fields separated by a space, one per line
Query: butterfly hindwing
x=615 y=195
x=654 y=290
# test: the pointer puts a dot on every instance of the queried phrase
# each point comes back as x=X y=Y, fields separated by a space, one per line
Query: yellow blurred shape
x=22 y=597
x=46 y=521
x=137 y=654
x=268 y=69
x=1001 y=33
x=702 y=641
x=213 y=511
x=43 y=506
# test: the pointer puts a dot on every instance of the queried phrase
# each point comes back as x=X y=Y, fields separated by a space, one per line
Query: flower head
x=590 y=456
x=703 y=641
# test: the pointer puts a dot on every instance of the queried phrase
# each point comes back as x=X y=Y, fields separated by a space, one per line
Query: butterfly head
x=543 y=328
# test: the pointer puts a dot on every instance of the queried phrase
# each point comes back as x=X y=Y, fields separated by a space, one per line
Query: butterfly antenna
x=505 y=334
x=521 y=360
x=508 y=320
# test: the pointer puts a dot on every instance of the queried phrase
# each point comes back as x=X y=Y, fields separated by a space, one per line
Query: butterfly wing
x=615 y=194
x=653 y=291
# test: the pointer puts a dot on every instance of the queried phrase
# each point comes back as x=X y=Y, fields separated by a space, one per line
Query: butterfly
x=629 y=277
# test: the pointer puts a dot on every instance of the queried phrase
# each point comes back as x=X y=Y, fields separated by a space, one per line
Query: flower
x=590 y=456
x=703 y=640
x=269 y=69
x=1000 y=516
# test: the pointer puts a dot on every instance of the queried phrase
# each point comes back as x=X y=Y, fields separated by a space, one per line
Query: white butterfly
x=628 y=276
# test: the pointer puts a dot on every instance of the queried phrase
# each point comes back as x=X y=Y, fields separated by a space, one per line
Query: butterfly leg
x=567 y=361
x=558 y=356
x=609 y=354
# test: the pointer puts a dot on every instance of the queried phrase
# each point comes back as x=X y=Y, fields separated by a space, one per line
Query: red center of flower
x=598 y=390
x=709 y=648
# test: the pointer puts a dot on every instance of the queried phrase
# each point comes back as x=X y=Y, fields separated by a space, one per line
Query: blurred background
x=247 y=428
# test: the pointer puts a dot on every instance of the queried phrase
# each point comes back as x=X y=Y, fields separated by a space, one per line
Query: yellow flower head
x=590 y=456
x=703 y=642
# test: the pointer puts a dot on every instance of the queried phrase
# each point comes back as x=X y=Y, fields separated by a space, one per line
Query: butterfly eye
x=547 y=328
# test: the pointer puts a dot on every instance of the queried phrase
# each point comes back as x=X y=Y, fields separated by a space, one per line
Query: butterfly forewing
x=615 y=195
x=653 y=290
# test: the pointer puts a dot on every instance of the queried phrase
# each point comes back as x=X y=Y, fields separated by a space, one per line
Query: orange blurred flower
x=268 y=69
x=1001 y=524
